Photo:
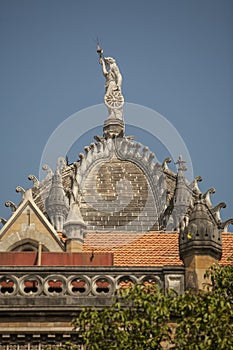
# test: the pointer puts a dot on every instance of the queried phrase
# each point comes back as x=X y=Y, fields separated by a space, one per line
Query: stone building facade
x=112 y=218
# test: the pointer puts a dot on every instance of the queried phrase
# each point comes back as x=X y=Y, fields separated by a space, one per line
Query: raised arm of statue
x=105 y=72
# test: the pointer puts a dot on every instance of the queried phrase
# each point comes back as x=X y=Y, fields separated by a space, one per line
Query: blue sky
x=176 y=57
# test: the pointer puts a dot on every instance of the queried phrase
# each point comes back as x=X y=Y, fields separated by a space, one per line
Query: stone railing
x=37 y=303
x=79 y=285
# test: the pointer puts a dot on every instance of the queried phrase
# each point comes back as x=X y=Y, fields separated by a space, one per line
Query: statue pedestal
x=113 y=127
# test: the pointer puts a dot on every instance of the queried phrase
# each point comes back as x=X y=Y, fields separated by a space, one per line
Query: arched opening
x=26 y=245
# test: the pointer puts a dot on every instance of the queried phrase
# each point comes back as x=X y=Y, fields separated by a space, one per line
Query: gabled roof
x=28 y=201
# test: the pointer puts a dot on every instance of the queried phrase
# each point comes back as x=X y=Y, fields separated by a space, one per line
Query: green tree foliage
x=143 y=318
x=205 y=322
x=137 y=320
x=205 y=319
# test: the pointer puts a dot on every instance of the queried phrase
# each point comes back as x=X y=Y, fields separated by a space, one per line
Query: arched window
x=27 y=245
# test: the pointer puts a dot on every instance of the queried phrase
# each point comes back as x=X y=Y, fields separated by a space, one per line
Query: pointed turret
x=56 y=203
x=74 y=229
x=202 y=235
x=182 y=196
x=200 y=244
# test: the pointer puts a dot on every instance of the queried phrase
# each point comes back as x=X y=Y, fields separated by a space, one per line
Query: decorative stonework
x=55 y=285
x=57 y=203
x=202 y=235
x=113 y=128
x=174 y=282
x=108 y=158
x=39 y=341
x=115 y=187
x=113 y=98
x=30 y=285
x=11 y=205
x=83 y=283
x=79 y=285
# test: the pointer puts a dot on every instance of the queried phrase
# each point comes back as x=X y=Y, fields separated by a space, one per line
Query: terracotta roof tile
x=146 y=249
x=227 y=252
x=135 y=249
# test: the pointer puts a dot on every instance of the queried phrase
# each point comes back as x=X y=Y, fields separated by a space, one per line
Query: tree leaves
x=138 y=319
x=144 y=318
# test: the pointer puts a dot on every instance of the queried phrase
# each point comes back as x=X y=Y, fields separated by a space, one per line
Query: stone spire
x=181 y=167
x=182 y=195
x=56 y=203
x=74 y=229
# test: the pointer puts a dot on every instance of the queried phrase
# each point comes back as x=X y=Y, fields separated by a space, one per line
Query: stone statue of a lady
x=113 y=98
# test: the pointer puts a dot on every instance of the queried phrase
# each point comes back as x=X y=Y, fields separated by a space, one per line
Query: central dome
x=117 y=195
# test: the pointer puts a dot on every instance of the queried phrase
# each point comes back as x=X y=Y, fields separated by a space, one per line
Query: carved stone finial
x=11 y=205
x=45 y=167
x=144 y=153
x=180 y=162
x=165 y=162
x=182 y=197
x=216 y=211
x=87 y=149
x=33 y=178
x=194 y=185
x=61 y=163
x=21 y=190
x=206 y=197
x=81 y=156
x=151 y=157
x=226 y=223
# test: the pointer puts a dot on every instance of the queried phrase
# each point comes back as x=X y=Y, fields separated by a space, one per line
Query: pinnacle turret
x=56 y=203
x=74 y=224
x=202 y=236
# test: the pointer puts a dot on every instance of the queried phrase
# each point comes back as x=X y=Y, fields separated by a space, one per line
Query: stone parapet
x=38 y=303
x=65 y=289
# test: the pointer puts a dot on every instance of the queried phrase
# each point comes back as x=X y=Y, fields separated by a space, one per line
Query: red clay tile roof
x=146 y=249
x=227 y=251
x=135 y=249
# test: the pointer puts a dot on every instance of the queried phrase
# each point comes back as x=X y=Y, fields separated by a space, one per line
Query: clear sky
x=176 y=57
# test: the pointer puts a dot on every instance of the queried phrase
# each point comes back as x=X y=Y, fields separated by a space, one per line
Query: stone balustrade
x=79 y=283
x=48 y=298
